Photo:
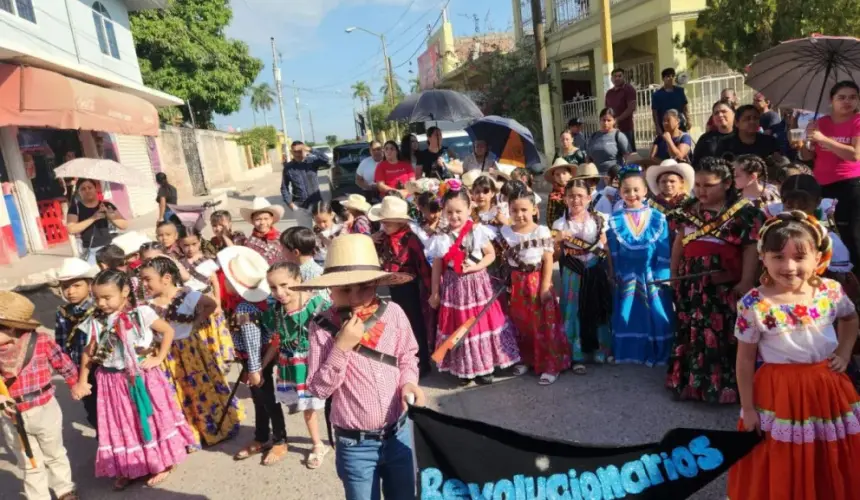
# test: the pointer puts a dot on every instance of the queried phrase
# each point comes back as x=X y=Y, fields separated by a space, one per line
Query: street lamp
x=386 y=62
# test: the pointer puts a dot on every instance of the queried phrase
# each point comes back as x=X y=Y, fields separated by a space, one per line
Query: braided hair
x=721 y=168
x=752 y=164
x=163 y=266
x=803 y=229
x=118 y=279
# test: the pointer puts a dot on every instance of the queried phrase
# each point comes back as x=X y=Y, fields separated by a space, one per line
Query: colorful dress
x=360 y=225
x=809 y=414
x=669 y=209
x=268 y=245
x=642 y=321
x=197 y=374
x=290 y=336
x=702 y=366
x=541 y=341
x=491 y=343
x=586 y=298
x=141 y=429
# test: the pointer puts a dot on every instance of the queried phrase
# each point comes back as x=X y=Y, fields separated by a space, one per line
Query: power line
x=409 y=59
x=405 y=11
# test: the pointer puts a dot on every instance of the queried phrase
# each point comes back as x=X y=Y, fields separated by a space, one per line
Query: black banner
x=464 y=459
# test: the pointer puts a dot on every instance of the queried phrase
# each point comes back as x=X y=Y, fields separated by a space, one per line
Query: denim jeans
x=361 y=465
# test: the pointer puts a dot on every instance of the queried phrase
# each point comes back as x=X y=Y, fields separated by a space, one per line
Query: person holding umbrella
x=91 y=218
x=432 y=160
x=480 y=158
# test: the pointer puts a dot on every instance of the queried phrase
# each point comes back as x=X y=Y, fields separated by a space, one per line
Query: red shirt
x=619 y=100
x=47 y=358
x=394 y=175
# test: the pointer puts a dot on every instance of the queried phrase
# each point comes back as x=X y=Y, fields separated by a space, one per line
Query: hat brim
x=257 y=294
x=22 y=325
x=276 y=211
x=347 y=278
x=87 y=275
x=375 y=215
x=653 y=173
x=547 y=175
x=361 y=208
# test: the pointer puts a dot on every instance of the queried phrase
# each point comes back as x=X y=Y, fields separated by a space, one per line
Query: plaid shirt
x=410 y=260
x=47 y=359
x=249 y=337
x=555 y=206
x=271 y=250
x=67 y=326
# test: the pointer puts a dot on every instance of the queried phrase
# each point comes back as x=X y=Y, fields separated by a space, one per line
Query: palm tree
x=398 y=91
x=361 y=91
x=262 y=98
x=415 y=84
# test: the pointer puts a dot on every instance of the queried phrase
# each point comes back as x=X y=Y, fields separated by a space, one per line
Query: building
x=70 y=86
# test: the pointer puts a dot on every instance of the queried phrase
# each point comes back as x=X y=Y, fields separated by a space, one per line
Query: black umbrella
x=436 y=105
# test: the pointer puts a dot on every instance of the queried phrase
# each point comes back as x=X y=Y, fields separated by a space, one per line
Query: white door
x=134 y=154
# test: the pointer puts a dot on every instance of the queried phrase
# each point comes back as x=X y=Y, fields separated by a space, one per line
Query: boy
x=28 y=360
x=75 y=277
x=264 y=239
x=299 y=247
x=558 y=175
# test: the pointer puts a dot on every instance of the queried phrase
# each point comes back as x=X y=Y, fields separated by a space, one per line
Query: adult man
x=433 y=160
x=667 y=97
x=769 y=118
x=300 y=186
x=366 y=172
x=622 y=99
x=574 y=126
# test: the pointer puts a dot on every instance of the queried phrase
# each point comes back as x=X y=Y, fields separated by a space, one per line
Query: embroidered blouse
x=188 y=306
x=441 y=242
x=140 y=335
x=585 y=231
x=271 y=250
x=529 y=254
x=201 y=273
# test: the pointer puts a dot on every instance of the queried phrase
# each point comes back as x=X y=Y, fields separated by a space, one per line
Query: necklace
x=171 y=312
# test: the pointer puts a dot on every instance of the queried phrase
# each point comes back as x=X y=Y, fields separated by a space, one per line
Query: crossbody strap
x=28 y=356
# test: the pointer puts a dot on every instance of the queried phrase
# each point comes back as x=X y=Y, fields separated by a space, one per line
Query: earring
x=814 y=281
x=765 y=278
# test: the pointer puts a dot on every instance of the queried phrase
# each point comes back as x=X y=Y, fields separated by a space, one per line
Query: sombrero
x=73 y=268
x=261 y=204
x=246 y=270
x=352 y=260
x=653 y=173
x=16 y=311
x=356 y=202
x=392 y=208
x=557 y=164
x=587 y=171
x=130 y=242
x=471 y=176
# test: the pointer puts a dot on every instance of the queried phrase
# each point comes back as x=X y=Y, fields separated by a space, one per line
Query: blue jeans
x=361 y=465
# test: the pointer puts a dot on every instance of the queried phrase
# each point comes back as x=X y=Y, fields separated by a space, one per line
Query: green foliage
x=733 y=31
x=259 y=139
x=415 y=85
x=398 y=91
x=262 y=99
x=331 y=140
x=511 y=87
x=361 y=91
x=182 y=50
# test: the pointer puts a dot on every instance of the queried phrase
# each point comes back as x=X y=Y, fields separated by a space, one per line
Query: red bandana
x=270 y=236
x=557 y=193
x=455 y=254
x=396 y=239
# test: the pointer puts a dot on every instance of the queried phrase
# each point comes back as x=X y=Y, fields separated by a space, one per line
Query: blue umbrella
x=498 y=131
x=436 y=105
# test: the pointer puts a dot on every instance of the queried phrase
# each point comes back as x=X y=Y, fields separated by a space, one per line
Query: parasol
x=436 y=105
x=508 y=139
x=99 y=169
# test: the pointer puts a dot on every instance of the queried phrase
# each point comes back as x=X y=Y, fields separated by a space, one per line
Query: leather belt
x=26 y=398
x=377 y=435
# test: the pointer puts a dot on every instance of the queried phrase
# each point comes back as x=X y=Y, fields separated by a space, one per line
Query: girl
x=431 y=216
x=803 y=327
x=586 y=299
x=638 y=239
x=166 y=196
x=673 y=143
x=357 y=207
x=751 y=180
x=486 y=209
x=461 y=255
x=197 y=373
x=325 y=229
x=222 y=228
x=528 y=252
x=141 y=428
x=288 y=317
x=714 y=261
x=167 y=233
x=200 y=266
x=392 y=173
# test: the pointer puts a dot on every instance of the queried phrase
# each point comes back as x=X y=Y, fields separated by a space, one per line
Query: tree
x=182 y=50
x=733 y=31
x=398 y=91
x=415 y=84
x=510 y=88
x=262 y=99
x=331 y=140
x=361 y=91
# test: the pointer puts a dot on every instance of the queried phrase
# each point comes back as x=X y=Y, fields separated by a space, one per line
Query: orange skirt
x=811 y=420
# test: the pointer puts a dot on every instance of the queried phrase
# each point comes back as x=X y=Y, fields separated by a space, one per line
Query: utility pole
x=313 y=134
x=298 y=112
x=606 y=37
x=543 y=80
x=277 y=72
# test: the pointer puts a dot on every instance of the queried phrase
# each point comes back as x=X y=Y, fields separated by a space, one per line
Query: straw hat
x=246 y=270
x=16 y=311
x=261 y=204
x=557 y=164
x=471 y=176
x=392 y=208
x=75 y=269
x=130 y=242
x=587 y=171
x=682 y=169
x=356 y=202
x=352 y=260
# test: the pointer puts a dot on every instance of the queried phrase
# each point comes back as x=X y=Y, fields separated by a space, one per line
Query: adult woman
x=408 y=148
x=571 y=154
x=723 y=116
x=836 y=140
x=480 y=158
x=166 y=196
x=608 y=146
x=747 y=140
x=392 y=173
x=674 y=143
x=91 y=218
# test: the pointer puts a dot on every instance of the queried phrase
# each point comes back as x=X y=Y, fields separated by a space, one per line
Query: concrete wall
x=173 y=161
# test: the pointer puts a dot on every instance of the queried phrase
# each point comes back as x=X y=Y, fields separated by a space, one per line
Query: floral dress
x=702 y=363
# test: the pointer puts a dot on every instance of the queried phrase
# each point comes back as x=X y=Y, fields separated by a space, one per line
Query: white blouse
x=440 y=243
x=189 y=304
x=140 y=335
x=324 y=240
x=206 y=268
x=609 y=201
x=585 y=230
x=528 y=256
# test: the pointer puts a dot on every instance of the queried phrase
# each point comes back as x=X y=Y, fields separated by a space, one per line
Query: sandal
x=275 y=454
x=255 y=448
x=72 y=495
x=520 y=370
x=579 y=369
x=121 y=483
x=547 y=379
x=157 y=479
x=315 y=459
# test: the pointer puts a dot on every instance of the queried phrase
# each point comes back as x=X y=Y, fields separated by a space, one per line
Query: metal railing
x=571 y=11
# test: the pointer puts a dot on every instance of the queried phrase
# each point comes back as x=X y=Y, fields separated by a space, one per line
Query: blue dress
x=642 y=317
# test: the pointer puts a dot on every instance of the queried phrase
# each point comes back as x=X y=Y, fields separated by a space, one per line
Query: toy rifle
x=19 y=424
x=230 y=399
x=686 y=277
x=461 y=332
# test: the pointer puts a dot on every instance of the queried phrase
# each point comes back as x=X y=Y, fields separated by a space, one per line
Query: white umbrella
x=101 y=170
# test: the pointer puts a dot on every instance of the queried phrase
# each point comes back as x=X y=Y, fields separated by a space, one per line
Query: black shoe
x=463 y=382
x=485 y=380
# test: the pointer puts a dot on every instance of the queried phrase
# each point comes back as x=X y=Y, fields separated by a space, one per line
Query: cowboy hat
x=558 y=164
x=352 y=260
x=261 y=204
x=356 y=202
x=16 y=311
x=73 y=268
x=469 y=178
x=130 y=242
x=685 y=171
x=587 y=171
x=246 y=270
x=392 y=208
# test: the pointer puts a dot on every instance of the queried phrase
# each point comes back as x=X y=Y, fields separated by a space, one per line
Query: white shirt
x=606 y=204
x=585 y=231
x=140 y=335
x=206 y=268
x=367 y=169
x=182 y=331
x=528 y=256
x=440 y=243
x=472 y=163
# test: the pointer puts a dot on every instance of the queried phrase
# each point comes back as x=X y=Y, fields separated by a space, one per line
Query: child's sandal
x=315 y=459
x=275 y=454
x=159 y=478
x=121 y=483
x=249 y=451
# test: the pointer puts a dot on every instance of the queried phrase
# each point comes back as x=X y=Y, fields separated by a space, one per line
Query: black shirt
x=707 y=146
x=98 y=234
x=167 y=192
x=427 y=160
x=763 y=146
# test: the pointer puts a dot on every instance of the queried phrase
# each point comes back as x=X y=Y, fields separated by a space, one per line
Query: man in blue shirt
x=669 y=96
x=300 y=185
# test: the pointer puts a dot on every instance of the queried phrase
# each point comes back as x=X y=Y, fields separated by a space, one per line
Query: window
x=20 y=8
x=104 y=30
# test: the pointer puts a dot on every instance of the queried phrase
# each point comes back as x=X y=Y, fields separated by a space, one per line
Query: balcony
x=568 y=12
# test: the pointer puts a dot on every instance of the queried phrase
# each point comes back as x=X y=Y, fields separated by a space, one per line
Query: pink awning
x=34 y=97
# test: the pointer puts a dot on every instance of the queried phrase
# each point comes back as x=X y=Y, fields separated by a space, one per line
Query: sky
x=317 y=53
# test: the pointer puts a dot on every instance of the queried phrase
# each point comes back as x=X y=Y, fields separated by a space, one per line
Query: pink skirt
x=122 y=451
x=492 y=341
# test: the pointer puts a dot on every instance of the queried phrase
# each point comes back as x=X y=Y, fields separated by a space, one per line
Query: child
x=639 y=247
x=264 y=239
x=525 y=176
x=751 y=180
x=168 y=233
x=557 y=176
x=528 y=253
x=804 y=328
x=824 y=211
x=245 y=278
x=586 y=298
x=222 y=228
x=485 y=207
x=75 y=277
x=197 y=373
x=125 y=255
x=605 y=200
x=670 y=183
x=288 y=317
x=200 y=266
x=299 y=245
x=357 y=222
x=325 y=229
x=461 y=255
x=431 y=216
x=400 y=250
x=111 y=257
x=31 y=398
x=142 y=431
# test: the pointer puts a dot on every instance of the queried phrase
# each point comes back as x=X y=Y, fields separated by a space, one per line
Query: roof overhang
x=138 y=5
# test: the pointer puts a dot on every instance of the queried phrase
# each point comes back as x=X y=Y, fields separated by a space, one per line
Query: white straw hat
x=246 y=270
x=73 y=268
x=357 y=202
x=352 y=260
x=653 y=173
x=392 y=208
x=557 y=164
x=587 y=171
x=130 y=242
x=261 y=204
